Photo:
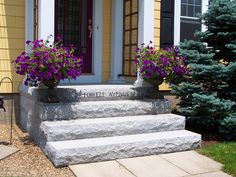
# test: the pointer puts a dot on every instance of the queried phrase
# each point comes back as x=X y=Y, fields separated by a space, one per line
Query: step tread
x=94 y=142
x=108 y=120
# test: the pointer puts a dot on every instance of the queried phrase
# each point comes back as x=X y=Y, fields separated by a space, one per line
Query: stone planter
x=51 y=96
x=156 y=82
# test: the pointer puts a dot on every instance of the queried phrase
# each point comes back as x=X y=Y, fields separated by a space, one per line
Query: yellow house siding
x=106 y=51
x=12 y=37
x=157 y=22
x=157 y=26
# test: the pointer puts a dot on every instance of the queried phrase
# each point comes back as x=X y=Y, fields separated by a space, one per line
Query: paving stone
x=212 y=174
x=152 y=166
x=6 y=151
x=192 y=162
x=101 y=169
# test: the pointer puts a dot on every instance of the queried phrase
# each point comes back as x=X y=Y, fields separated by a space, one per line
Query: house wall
x=106 y=51
x=12 y=37
x=157 y=26
x=157 y=22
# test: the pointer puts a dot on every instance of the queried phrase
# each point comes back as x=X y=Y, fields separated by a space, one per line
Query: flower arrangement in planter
x=158 y=66
x=48 y=64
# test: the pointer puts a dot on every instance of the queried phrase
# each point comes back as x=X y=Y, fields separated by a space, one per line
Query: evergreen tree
x=208 y=94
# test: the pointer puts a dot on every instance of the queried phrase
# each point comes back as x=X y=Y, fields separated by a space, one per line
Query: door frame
x=46 y=21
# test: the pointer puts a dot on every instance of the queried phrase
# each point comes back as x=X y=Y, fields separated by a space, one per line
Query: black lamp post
x=2 y=104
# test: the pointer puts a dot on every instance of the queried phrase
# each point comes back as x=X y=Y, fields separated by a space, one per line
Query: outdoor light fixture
x=2 y=104
x=11 y=107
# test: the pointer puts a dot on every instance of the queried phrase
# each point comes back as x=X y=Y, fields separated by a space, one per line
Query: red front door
x=73 y=23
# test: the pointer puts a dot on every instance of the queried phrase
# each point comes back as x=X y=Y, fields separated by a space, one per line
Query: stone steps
x=103 y=122
x=102 y=109
x=63 y=153
x=105 y=127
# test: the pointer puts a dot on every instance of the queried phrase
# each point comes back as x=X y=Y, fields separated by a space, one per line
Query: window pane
x=183 y=10
x=127 y=22
x=198 y=10
x=134 y=39
x=126 y=67
x=190 y=11
x=134 y=21
x=127 y=7
x=134 y=6
x=188 y=27
x=198 y=2
x=126 y=53
x=191 y=2
x=133 y=52
x=127 y=37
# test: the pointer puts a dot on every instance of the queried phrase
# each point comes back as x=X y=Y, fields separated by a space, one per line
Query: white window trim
x=29 y=21
x=178 y=16
x=46 y=27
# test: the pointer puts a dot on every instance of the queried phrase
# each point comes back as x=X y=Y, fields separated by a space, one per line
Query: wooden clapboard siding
x=106 y=51
x=157 y=19
x=12 y=37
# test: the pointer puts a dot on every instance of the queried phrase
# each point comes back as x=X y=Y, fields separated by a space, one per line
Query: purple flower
x=167 y=64
x=45 y=62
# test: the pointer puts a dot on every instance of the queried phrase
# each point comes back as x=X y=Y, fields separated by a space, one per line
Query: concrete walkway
x=181 y=164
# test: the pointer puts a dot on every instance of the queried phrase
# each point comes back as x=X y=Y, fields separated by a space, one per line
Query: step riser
x=72 y=156
x=111 y=127
x=99 y=93
x=86 y=110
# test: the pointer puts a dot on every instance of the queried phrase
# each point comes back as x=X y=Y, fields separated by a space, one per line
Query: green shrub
x=228 y=127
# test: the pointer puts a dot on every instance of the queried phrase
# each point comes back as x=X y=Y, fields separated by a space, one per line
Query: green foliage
x=224 y=153
x=227 y=127
x=208 y=95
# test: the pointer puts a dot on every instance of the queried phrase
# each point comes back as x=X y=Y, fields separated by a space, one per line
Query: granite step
x=105 y=127
x=106 y=92
x=64 y=153
x=102 y=109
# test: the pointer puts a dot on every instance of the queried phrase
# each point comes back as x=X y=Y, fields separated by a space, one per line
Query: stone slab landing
x=94 y=123
x=181 y=164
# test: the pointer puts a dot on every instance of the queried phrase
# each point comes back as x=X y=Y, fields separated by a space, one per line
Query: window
x=189 y=21
x=190 y=8
x=130 y=36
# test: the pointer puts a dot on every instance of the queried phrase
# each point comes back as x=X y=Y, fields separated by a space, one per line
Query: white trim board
x=116 y=42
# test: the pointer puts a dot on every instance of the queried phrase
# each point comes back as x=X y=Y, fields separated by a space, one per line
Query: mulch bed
x=30 y=160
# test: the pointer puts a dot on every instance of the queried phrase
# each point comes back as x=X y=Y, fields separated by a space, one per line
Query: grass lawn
x=224 y=153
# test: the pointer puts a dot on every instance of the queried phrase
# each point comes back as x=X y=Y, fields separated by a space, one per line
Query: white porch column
x=29 y=20
x=116 y=41
x=46 y=20
x=145 y=30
